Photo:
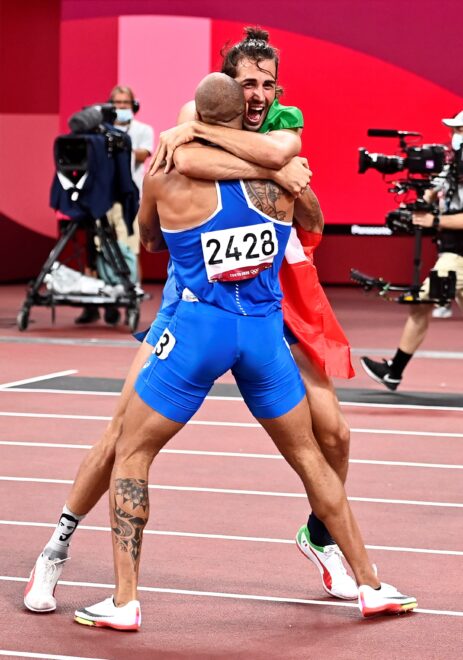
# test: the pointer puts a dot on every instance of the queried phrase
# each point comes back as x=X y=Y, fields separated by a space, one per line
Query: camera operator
x=449 y=227
x=142 y=137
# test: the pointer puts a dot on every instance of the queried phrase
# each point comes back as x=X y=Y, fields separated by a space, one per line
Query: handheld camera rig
x=422 y=166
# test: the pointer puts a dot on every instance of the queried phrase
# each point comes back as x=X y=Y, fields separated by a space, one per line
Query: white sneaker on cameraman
x=106 y=615
x=39 y=593
x=328 y=559
x=442 y=312
x=386 y=600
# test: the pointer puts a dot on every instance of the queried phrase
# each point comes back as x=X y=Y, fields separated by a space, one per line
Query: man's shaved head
x=219 y=99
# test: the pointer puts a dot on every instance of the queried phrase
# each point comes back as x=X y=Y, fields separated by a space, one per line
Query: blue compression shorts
x=289 y=335
x=162 y=320
x=201 y=343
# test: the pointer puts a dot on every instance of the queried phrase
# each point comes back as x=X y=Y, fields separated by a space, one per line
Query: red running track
x=221 y=575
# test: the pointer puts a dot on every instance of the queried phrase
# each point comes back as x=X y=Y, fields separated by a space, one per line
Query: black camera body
x=420 y=166
x=93 y=167
x=72 y=151
x=91 y=117
x=400 y=221
x=429 y=159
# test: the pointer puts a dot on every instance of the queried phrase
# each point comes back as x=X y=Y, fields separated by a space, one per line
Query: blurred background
x=350 y=65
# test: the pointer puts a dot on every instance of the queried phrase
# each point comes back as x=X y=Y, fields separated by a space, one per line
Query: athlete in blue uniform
x=94 y=474
x=231 y=296
x=227 y=243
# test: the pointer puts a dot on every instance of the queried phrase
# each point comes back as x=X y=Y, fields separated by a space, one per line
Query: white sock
x=58 y=546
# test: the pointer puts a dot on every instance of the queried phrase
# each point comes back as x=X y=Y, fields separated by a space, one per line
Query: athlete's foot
x=39 y=593
x=106 y=615
x=328 y=559
x=386 y=600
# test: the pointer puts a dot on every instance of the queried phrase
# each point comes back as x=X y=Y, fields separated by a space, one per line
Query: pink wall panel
x=29 y=56
x=88 y=63
x=163 y=58
x=25 y=172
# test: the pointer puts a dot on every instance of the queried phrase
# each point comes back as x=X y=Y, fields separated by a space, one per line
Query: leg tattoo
x=128 y=528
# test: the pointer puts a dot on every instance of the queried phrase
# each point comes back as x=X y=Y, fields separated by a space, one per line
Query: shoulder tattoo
x=265 y=195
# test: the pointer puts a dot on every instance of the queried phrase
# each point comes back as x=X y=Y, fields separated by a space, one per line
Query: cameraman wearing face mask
x=142 y=137
x=449 y=227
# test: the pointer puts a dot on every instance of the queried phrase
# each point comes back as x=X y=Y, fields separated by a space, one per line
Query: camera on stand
x=93 y=172
x=421 y=168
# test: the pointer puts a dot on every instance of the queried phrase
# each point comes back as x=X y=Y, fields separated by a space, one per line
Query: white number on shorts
x=165 y=344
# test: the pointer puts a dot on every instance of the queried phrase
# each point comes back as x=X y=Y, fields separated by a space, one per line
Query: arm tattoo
x=264 y=195
x=128 y=528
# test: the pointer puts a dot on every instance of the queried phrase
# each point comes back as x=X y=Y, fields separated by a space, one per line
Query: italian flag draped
x=306 y=309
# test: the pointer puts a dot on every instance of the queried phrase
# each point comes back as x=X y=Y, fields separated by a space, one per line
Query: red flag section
x=306 y=309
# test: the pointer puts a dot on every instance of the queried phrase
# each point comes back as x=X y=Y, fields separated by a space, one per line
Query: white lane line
x=47 y=656
x=235 y=454
x=37 y=379
x=36 y=390
x=227 y=398
x=55 y=416
x=430 y=434
x=221 y=594
x=235 y=491
x=442 y=466
x=228 y=537
x=401 y=406
x=434 y=355
x=249 y=425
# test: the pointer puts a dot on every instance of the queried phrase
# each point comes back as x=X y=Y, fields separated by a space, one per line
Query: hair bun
x=256 y=33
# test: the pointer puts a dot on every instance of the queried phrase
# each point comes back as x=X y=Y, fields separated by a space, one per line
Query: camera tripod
x=441 y=290
x=129 y=296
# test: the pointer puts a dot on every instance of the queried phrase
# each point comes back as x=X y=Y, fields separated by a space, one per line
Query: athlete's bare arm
x=201 y=162
x=272 y=150
x=197 y=161
x=307 y=212
x=148 y=220
x=174 y=202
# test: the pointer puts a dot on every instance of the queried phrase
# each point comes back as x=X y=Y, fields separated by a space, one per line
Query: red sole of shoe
x=101 y=624
x=390 y=609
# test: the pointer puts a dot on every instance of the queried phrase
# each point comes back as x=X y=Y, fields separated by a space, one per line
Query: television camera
x=93 y=172
x=421 y=168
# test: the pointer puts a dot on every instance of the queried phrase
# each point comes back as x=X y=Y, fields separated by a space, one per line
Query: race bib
x=165 y=344
x=239 y=253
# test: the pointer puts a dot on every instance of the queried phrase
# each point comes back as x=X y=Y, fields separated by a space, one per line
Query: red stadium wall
x=349 y=65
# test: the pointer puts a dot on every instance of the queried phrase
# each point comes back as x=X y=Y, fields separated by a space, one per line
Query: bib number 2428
x=239 y=253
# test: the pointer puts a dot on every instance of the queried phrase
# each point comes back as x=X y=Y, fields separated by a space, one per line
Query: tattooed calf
x=134 y=491
x=128 y=528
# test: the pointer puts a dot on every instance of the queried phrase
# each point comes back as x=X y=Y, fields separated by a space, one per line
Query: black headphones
x=135 y=105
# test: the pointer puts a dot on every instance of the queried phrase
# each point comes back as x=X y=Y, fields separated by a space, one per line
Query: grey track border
x=351 y=395
x=132 y=343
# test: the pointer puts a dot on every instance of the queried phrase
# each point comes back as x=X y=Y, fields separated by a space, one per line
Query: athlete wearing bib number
x=279 y=117
x=136 y=432
x=230 y=313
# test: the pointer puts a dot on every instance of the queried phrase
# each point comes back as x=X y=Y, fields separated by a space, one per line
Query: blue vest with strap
x=232 y=259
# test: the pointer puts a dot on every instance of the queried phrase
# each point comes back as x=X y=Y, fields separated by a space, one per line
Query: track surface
x=221 y=576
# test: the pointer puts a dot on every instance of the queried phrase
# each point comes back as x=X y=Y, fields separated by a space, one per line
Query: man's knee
x=339 y=437
x=332 y=431
x=420 y=311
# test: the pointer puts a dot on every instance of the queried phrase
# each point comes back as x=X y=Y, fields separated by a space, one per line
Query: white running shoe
x=39 y=593
x=442 y=312
x=328 y=559
x=106 y=615
x=386 y=600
